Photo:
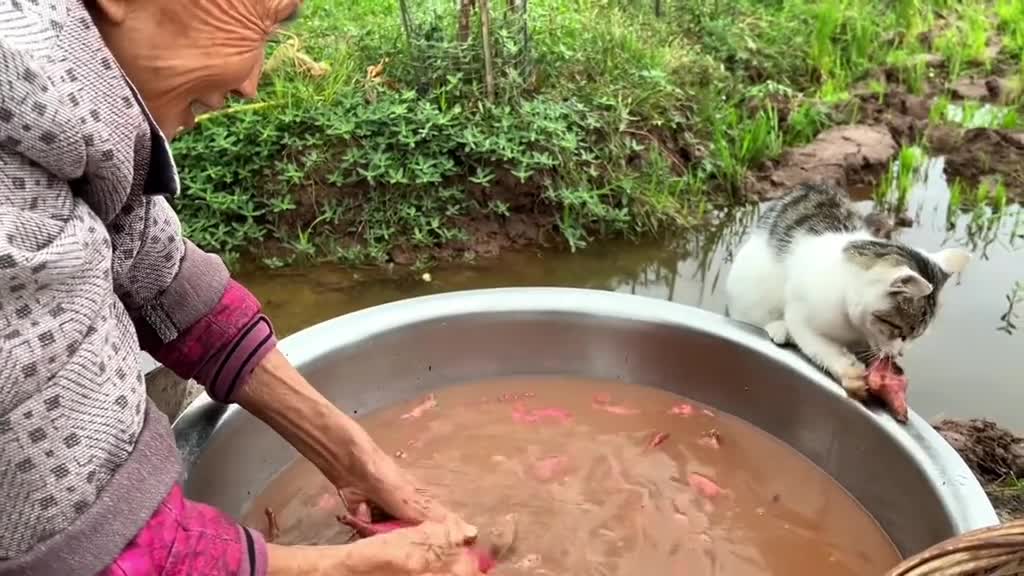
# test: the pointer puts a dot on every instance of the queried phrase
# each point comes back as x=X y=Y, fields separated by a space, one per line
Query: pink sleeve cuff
x=227 y=371
x=255 y=562
x=222 y=348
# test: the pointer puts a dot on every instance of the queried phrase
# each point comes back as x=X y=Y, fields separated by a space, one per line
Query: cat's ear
x=906 y=281
x=952 y=260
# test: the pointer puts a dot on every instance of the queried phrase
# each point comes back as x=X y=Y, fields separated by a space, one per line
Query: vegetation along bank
x=411 y=131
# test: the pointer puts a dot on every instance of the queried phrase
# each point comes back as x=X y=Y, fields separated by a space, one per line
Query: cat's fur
x=812 y=273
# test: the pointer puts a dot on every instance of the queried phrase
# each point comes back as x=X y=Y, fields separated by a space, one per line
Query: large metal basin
x=914 y=484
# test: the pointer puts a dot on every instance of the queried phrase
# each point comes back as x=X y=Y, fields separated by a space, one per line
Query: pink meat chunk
x=550 y=468
x=704 y=486
x=887 y=382
x=682 y=409
x=523 y=415
x=427 y=404
x=657 y=440
x=604 y=402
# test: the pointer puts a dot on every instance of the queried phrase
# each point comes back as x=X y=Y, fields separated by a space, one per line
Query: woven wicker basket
x=995 y=551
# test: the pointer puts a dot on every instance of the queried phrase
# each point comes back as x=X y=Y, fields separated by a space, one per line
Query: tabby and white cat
x=812 y=273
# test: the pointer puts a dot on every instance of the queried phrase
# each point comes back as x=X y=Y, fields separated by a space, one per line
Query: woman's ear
x=114 y=11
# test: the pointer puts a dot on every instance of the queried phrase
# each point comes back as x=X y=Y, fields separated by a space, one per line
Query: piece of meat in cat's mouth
x=887 y=382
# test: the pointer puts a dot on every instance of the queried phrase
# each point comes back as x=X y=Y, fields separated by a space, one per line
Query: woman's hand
x=429 y=549
x=337 y=445
x=378 y=481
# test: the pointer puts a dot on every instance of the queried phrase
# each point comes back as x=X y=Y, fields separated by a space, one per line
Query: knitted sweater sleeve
x=189 y=314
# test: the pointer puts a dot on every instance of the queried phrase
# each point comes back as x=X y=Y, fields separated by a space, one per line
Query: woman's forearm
x=306 y=561
x=278 y=395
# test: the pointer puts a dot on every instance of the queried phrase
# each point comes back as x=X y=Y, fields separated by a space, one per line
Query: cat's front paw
x=778 y=332
x=854 y=379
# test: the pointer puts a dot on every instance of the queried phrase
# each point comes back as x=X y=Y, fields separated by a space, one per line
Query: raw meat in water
x=273 y=530
x=712 y=439
x=682 y=409
x=499 y=540
x=523 y=415
x=704 y=486
x=604 y=402
x=657 y=440
x=420 y=408
x=887 y=383
x=550 y=467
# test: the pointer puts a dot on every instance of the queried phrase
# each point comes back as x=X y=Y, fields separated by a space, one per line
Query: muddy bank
x=996 y=456
x=980 y=153
x=875 y=124
x=845 y=156
x=972 y=155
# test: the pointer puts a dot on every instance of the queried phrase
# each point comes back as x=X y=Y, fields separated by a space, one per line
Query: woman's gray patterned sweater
x=90 y=251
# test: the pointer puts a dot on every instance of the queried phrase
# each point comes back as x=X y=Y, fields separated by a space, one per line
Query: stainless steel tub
x=914 y=484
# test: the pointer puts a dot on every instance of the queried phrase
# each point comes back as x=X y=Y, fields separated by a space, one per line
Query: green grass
x=965 y=41
x=971 y=114
x=605 y=119
x=1010 y=14
x=985 y=216
x=906 y=170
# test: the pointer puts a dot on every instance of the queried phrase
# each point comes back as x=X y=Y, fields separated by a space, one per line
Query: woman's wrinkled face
x=187 y=56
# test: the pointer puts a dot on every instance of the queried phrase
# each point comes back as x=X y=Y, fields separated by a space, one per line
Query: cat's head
x=894 y=294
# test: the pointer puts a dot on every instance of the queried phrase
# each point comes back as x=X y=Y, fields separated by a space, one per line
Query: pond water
x=969 y=365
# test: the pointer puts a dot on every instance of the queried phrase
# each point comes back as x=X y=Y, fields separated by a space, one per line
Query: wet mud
x=980 y=153
x=843 y=156
x=972 y=155
x=996 y=456
x=876 y=125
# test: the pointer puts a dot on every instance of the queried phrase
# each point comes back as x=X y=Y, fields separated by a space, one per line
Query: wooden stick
x=403 y=9
x=273 y=531
x=465 y=13
x=485 y=24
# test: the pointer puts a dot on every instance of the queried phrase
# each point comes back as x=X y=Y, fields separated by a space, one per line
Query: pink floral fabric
x=186 y=538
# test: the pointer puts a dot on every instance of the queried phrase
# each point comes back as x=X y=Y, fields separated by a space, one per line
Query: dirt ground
x=844 y=156
x=996 y=456
x=857 y=154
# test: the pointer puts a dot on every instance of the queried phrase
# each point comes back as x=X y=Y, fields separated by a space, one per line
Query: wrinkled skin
x=484 y=560
x=485 y=553
x=427 y=550
x=190 y=53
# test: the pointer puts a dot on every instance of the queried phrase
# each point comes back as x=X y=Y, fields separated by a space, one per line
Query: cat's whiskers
x=875 y=353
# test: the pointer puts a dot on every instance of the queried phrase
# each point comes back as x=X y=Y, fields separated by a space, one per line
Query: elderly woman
x=93 y=266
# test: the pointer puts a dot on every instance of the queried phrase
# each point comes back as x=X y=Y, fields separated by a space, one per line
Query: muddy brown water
x=576 y=461
x=969 y=365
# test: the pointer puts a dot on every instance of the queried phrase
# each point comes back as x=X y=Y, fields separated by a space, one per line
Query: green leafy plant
x=378 y=131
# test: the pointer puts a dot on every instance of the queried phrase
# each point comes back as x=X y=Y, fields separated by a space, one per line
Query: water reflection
x=966 y=366
x=1014 y=299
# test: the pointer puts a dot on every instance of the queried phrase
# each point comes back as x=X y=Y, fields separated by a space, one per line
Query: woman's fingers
x=453 y=536
x=460 y=532
x=356 y=504
x=405 y=503
x=428 y=549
